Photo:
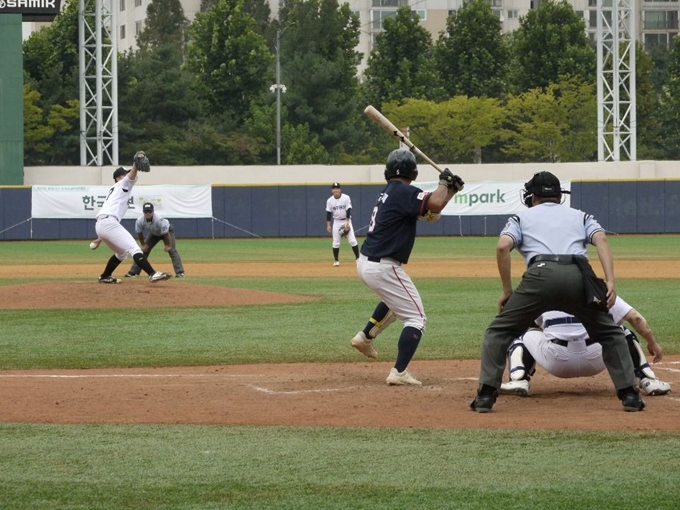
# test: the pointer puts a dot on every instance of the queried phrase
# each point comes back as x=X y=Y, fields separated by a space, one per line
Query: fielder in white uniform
x=339 y=221
x=114 y=235
x=563 y=349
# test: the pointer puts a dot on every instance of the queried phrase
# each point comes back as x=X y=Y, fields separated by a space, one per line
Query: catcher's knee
x=380 y=325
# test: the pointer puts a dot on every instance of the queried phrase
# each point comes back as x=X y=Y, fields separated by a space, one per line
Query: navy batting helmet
x=401 y=163
x=542 y=184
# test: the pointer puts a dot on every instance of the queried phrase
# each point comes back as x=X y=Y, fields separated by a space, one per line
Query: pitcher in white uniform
x=562 y=347
x=114 y=235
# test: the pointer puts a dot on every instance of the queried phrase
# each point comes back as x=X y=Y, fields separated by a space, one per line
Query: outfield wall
x=624 y=207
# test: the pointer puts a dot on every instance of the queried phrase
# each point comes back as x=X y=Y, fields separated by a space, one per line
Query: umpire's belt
x=565 y=343
x=560 y=259
x=384 y=259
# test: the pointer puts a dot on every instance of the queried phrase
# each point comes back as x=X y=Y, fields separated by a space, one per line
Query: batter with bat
x=339 y=221
x=112 y=233
x=387 y=247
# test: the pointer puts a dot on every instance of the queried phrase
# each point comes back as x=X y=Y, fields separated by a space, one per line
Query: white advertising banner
x=487 y=198
x=72 y=202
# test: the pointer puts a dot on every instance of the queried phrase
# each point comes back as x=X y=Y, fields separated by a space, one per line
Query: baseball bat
x=385 y=123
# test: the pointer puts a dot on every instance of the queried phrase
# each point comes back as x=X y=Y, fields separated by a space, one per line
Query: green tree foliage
x=670 y=106
x=557 y=124
x=401 y=64
x=51 y=66
x=471 y=55
x=319 y=60
x=648 y=115
x=551 y=42
x=165 y=23
x=453 y=131
x=155 y=95
x=229 y=58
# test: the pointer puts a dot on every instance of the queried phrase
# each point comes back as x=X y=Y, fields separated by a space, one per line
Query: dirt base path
x=344 y=395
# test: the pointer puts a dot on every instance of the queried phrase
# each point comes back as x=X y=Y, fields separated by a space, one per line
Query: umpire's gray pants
x=151 y=241
x=551 y=286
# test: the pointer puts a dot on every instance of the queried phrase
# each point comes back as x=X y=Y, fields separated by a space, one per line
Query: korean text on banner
x=78 y=202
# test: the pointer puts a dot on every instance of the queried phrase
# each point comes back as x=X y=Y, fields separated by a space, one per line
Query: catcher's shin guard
x=642 y=368
x=521 y=364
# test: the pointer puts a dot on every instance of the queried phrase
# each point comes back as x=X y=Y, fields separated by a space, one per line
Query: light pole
x=278 y=88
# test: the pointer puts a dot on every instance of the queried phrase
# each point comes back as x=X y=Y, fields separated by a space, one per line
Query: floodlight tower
x=98 y=83
x=616 y=121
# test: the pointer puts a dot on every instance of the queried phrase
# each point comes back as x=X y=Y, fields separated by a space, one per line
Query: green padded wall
x=11 y=101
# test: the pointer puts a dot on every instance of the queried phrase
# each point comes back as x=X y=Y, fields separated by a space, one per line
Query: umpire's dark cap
x=545 y=184
x=148 y=207
x=335 y=185
x=119 y=172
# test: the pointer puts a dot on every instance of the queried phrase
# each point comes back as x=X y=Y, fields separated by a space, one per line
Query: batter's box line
x=323 y=390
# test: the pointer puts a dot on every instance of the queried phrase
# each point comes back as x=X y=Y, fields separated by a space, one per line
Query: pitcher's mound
x=133 y=294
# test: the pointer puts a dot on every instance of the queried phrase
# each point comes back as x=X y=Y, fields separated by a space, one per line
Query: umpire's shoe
x=485 y=399
x=631 y=400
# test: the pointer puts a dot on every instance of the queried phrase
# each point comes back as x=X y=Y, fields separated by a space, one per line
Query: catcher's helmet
x=542 y=184
x=119 y=172
x=401 y=163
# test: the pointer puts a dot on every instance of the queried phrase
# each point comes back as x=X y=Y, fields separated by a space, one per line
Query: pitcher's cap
x=120 y=171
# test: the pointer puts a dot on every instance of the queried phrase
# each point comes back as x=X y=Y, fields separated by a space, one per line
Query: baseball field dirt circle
x=341 y=394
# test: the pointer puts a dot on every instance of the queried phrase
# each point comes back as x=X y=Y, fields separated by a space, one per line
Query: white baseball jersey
x=116 y=203
x=338 y=207
x=158 y=226
x=577 y=358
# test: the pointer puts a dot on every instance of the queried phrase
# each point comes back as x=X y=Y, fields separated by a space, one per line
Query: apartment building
x=656 y=21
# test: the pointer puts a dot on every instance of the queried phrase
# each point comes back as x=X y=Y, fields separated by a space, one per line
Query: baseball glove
x=343 y=231
x=142 y=162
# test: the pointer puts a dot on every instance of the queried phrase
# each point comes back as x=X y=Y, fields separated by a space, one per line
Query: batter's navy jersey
x=392 y=229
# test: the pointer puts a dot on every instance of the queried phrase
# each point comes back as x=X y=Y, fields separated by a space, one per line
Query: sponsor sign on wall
x=85 y=201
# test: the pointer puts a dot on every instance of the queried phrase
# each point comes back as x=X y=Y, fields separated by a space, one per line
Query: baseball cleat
x=336 y=263
x=632 y=402
x=364 y=345
x=520 y=388
x=654 y=387
x=483 y=403
x=180 y=275
x=108 y=279
x=158 y=276
x=402 y=378
x=130 y=275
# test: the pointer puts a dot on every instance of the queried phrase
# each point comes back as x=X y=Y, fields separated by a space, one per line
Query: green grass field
x=46 y=466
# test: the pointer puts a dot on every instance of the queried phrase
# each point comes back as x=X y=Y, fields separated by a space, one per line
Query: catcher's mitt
x=142 y=162
x=343 y=231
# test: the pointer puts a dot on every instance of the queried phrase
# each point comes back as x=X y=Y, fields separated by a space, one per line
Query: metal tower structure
x=616 y=121
x=98 y=83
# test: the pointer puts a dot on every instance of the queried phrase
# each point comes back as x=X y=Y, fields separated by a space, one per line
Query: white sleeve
x=619 y=310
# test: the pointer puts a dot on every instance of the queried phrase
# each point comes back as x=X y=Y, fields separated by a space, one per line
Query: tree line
x=200 y=93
